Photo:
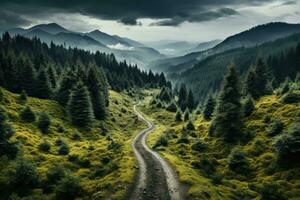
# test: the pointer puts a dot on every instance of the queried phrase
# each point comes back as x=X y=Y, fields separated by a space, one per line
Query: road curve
x=156 y=179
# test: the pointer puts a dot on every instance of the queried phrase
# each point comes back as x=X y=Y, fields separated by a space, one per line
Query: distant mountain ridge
x=123 y=48
x=249 y=38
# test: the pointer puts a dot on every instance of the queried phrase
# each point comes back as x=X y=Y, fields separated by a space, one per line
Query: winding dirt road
x=156 y=179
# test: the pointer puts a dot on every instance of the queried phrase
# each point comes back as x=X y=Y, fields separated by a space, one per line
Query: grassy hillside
x=202 y=161
x=100 y=157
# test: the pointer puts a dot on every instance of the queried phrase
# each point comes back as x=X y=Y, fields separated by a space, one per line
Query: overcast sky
x=151 y=20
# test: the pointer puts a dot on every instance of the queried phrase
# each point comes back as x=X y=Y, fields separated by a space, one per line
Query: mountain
x=205 y=45
x=249 y=38
x=51 y=28
x=105 y=38
x=123 y=48
x=207 y=74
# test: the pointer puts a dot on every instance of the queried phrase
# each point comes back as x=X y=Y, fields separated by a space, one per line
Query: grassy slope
x=259 y=150
x=121 y=125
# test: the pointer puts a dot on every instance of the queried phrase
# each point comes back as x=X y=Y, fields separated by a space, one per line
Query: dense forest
x=281 y=57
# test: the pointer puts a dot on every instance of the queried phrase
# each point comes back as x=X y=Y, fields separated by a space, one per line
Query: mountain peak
x=52 y=28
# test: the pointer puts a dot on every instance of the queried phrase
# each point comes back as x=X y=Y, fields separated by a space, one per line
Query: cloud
x=9 y=19
x=120 y=46
x=129 y=11
x=198 y=17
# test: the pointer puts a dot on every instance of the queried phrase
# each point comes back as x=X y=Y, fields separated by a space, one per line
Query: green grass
x=224 y=183
x=120 y=127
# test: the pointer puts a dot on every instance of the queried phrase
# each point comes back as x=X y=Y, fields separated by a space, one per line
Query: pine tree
x=182 y=97
x=43 y=86
x=44 y=122
x=28 y=77
x=186 y=115
x=80 y=106
x=209 y=107
x=257 y=81
x=227 y=121
x=66 y=85
x=97 y=95
x=28 y=115
x=7 y=147
x=52 y=76
x=190 y=101
x=178 y=116
x=249 y=106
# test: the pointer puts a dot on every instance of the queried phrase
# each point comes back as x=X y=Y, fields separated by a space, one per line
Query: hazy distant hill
x=123 y=48
x=249 y=38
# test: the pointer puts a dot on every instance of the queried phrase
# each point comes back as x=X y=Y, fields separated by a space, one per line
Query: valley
x=93 y=115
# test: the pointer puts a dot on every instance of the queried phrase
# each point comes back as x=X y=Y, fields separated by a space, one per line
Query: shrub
x=63 y=149
x=28 y=115
x=159 y=104
x=55 y=174
x=162 y=141
x=45 y=146
x=276 y=128
x=76 y=136
x=23 y=96
x=237 y=161
x=183 y=138
x=287 y=146
x=153 y=101
x=190 y=125
x=59 y=142
x=25 y=177
x=44 y=122
x=249 y=106
x=186 y=115
x=73 y=157
x=199 y=146
x=84 y=162
x=271 y=192
x=290 y=97
x=172 y=107
x=68 y=188
x=178 y=116
x=60 y=128
x=105 y=160
x=208 y=166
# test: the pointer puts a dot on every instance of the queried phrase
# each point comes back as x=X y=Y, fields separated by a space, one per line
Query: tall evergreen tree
x=52 y=76
x=28 y=77
x=209 y=107
x=190 y=101
x=257 y=81
x=182 y=97
x=64 y=91
x=227 y=121
x=97 y=94
x=43 y=88
x=80 y=106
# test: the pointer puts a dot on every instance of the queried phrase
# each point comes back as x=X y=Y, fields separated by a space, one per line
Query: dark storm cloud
x=128 y=11
x=9 y=19
x=199 y=17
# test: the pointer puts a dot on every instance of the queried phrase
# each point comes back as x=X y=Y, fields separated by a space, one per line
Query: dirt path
x=156 y=179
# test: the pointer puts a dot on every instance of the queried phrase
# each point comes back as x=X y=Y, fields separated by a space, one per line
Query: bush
x=271 y=192
x=84 y=162
x=172 y=107
x=249 y=106
x=45 y=146
x=178 y=116
x=55 y=174
x=23 y=96
x=190 y=125
x=73 y=158
x=237 y=161
x=199 y=146
x=186 y=115
x=68 y=188
x=76 y=136
x=159 y=105
x=44 y=122
x=208 y=166
x=25 y=177
x=287 y=146
x=63 y=149
x=290 y=97
x=162 y=141
x=60 y=128
x=183 y=138
x=276 y=128
x=28 y=115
